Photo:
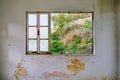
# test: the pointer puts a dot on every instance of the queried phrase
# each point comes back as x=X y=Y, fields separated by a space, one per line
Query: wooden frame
x=38 y=26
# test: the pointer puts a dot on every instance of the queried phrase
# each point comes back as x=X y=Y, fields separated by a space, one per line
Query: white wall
x=13 y=39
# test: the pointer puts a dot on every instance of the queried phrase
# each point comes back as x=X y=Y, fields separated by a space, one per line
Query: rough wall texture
x=16 y=65
x=118 y=32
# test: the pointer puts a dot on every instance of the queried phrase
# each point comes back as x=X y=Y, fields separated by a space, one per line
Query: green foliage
x=54 y=36
x=84 y=48
x=71 y=48
x=89 y=40
x=88 y=25
x=57 y=47
x=78 y=40
x=60 y=21
x=81 y=40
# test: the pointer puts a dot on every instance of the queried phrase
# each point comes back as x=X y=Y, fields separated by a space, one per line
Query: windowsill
x=48 y=54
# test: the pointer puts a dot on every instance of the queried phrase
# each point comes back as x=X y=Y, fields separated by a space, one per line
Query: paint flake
x=76 y=65
x=21 y=71
x=57 y=74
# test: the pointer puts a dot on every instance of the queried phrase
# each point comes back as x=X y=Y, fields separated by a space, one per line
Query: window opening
x=59 y=33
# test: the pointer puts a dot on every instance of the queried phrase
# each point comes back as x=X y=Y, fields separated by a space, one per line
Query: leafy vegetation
x=71 y=33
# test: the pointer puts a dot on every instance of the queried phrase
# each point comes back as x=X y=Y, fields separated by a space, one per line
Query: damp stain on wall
x=101 y=12
x=101 y=6
x=20 y=72
x=109 y=78
x=76 y=65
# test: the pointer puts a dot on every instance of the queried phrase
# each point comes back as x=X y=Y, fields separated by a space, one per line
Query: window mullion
x=38 y=33
x=27 y=47
x=49 y=29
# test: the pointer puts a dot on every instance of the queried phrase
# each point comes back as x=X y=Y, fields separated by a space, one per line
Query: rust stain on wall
x=21 y=71
x=76 y=65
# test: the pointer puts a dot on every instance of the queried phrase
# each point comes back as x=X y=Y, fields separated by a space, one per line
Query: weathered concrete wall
x=16 y=65
x=118 y=31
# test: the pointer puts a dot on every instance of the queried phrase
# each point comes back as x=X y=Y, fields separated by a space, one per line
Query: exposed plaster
x=20 y=72
x=47 y=75
x=76 y=65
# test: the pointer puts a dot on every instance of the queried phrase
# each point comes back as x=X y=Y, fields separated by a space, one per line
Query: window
x=59 y=33
x=38 y=33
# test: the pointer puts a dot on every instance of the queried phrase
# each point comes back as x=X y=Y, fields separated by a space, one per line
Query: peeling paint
x=47 y=75
x=21 y=71
x=16 y=77
x=76 y=65
x=75 y=61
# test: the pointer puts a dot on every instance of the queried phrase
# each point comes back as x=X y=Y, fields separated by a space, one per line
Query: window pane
x=32 y=19
x=44 y=32
x=32 y=45
x=43 y=45
x=32 y=32
x=43 y=19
